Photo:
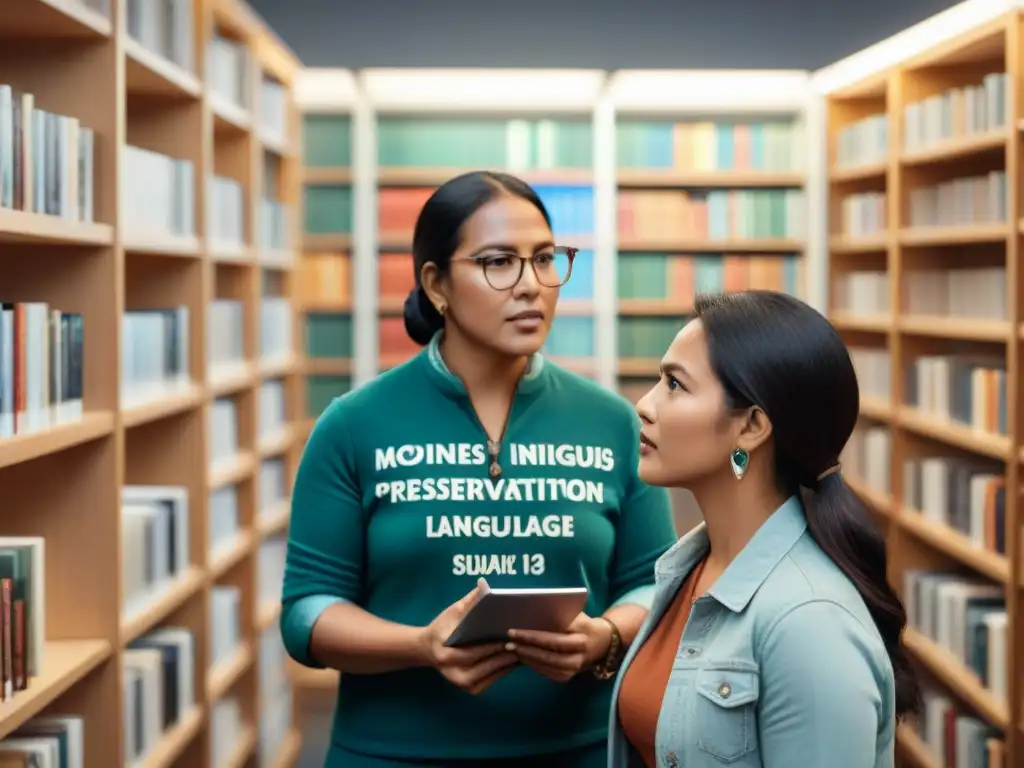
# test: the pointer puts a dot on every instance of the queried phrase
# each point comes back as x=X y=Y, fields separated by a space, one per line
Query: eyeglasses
x=504 y=271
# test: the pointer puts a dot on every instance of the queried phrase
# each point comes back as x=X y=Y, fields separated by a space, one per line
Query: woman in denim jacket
x=774 y=638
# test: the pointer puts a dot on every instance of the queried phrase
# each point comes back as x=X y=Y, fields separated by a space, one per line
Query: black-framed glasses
x=504 y=271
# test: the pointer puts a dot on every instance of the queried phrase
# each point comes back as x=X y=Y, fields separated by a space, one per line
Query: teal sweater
x=393 y=510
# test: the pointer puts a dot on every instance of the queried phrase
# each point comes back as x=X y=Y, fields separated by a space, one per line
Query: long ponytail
x=846 y=533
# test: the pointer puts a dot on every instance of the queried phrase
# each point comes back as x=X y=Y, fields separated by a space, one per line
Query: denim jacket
x=780 y=664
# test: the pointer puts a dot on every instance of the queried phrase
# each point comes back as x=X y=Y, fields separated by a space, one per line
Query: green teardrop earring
x=738 y=460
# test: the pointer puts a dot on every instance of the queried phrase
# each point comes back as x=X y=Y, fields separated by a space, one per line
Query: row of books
x=874 y=372
x=224 y=518
x=159 y=687
x=972 y=292
x=228 y=71
x=959 y=112
x=154 y=543
x=967 y=389
x=960 y=202
x=270 y=560
x=165 y=30
x=225 y=622
x=705 y=147
x=225 y=334
x=41 y=367
x=862 y=142
x=226 y=214
x=157 y=196
x=155 y=344
x=863 y=214
x=228 y=219
x=867 y=456
x=863 y=293
x=966 y=495
x=22 y=613
x=661 y=215
x=964 y=615
x=154 y=353
x=520 y=145
x=666 y=215
x=271 y=409
x=957 y=738
x=47 y=160
x=497 y=144
x=46 y=741
x=223 y=432
x=678 y=278
x=570 y=336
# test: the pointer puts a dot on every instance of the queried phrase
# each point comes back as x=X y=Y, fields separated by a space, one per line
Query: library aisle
x=205 y=243
x=149 y=383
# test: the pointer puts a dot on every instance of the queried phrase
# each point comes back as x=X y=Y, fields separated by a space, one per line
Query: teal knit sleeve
x=324 y=560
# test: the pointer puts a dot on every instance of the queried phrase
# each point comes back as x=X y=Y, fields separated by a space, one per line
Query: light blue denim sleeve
x=825 y=687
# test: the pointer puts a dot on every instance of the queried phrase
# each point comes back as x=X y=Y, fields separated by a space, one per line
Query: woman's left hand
x=562 y=655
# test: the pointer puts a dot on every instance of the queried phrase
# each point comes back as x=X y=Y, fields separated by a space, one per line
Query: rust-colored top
x=643 y=685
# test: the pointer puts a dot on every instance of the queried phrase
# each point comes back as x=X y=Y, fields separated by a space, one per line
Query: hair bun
x=422 y=320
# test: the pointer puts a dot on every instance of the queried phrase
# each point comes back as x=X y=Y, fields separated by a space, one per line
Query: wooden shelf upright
x=924 y=204
x=63 y=480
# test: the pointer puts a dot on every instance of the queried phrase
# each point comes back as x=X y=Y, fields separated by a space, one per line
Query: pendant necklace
x=494 y=447
x=494 y=450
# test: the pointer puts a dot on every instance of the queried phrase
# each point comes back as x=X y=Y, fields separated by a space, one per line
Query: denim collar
x=745 y=575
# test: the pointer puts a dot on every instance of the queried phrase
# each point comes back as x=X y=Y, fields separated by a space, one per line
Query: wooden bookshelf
x=63 y=480
x=917 y=277
x=709 y=197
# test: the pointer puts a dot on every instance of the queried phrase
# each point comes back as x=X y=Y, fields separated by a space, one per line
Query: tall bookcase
x=711 y=175
x=164 y=257
x=924 y=172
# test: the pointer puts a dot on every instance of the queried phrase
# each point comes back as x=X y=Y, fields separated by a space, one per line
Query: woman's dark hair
x=772 y=351
x=439 y=231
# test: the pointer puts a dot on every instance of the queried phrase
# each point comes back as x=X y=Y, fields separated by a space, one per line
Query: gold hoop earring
x=441 y=309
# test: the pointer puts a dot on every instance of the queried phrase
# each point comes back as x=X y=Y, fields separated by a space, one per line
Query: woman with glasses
x=476 y=459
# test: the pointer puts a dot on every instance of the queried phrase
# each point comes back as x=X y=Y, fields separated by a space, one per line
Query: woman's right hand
x=473 y=669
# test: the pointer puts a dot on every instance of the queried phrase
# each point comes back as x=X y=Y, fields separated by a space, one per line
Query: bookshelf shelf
x=52 y=18
x=226 y=673
x=926 y=290
x=20 y=227
x=175 y=741
x=951 y=150
x=157 y=255
x=34 y=445
x=149 y=74
x=67 y=662
x=648 y=178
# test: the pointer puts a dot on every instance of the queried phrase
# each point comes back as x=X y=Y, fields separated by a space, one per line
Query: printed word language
x=499 y=526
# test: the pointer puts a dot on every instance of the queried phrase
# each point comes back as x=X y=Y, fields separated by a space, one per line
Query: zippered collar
x=531 y=382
